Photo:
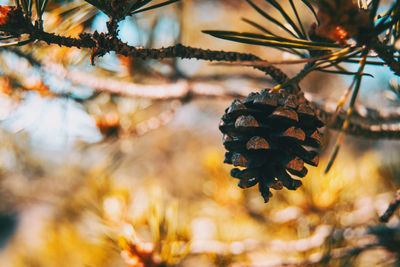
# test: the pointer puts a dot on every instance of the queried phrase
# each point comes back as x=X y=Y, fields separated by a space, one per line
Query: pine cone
x=271 y=135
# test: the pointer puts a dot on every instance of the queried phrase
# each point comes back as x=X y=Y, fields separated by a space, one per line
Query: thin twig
x=360 y=129
x=392 y=208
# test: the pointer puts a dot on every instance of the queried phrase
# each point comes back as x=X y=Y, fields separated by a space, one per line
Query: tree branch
x=102 y=43
x=357 y=128
x=360 y=113
x=85 y=41
x=392 y=208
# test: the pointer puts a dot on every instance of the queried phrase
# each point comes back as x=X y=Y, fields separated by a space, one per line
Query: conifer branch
x=386 y=55
x=102 y=43
x=368 y=123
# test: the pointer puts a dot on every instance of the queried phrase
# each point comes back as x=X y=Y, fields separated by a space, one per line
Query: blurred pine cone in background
x=271 y=135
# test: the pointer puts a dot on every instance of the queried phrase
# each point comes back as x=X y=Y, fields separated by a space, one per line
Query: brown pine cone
x=271 y=135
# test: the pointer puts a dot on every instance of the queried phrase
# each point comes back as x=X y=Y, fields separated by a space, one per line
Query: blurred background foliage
x=93 y=176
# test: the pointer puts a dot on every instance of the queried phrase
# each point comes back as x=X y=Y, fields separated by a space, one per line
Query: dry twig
x=392 y=208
